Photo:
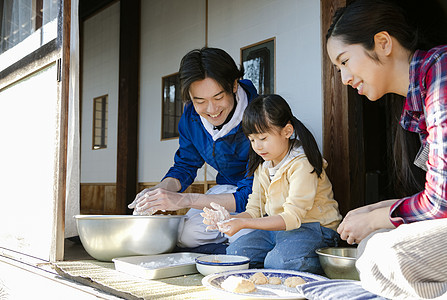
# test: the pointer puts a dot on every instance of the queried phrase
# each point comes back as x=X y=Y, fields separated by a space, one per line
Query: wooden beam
x=128 y=98
x=88 y=8
x=342 y=145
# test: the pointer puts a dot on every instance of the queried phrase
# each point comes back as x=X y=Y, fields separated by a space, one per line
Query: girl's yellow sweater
x=296 y=194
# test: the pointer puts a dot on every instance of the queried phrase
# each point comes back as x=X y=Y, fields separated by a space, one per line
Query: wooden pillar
x=127 y=145
x=342 y=128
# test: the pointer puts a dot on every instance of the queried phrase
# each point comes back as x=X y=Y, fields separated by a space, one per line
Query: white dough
x=294 y=281
x=274 y=280
x=238 y=284
x=259 y=278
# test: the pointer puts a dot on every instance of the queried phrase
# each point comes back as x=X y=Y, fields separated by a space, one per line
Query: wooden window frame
x=31 y=57
x=178 y=106
x=104 y=121
x=271 y=73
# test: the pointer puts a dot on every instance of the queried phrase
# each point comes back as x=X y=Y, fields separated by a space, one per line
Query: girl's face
x=272 y=146
x=211 y=101
x=358 y=69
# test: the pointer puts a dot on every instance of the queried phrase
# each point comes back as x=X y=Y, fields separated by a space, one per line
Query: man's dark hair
x=211 y=63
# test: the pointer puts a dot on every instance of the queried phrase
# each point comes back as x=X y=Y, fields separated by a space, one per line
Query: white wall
x=296 y=26
x=100 y=71
x=169 y=29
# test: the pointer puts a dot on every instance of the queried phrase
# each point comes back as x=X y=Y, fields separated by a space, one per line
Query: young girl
x=291 y=208
x=376 y=51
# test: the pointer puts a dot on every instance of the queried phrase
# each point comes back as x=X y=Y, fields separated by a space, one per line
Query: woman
x=210 y=132
x=376 y=52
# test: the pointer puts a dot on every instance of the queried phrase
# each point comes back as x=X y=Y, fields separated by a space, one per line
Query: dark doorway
x=381 y=118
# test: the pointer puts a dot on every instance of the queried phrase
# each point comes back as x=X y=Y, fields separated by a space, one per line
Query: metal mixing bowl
x=105 y=237
x=339 y=263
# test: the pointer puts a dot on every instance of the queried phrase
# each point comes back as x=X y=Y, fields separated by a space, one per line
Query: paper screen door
x=33 y=126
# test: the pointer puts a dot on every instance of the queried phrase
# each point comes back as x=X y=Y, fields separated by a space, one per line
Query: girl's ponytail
x=309 y=145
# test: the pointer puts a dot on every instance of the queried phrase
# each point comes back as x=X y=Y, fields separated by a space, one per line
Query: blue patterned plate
x=265 y=291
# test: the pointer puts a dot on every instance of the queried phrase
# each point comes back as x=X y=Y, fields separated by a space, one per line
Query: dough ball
x=259 y=278
x=275 y=280
x=294 y=281
x=238 y=284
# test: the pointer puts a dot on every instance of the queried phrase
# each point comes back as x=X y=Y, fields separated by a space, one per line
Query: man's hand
x=143 y=202
x=161 y=199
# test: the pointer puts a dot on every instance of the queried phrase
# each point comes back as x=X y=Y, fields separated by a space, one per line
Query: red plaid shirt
x=428 y=83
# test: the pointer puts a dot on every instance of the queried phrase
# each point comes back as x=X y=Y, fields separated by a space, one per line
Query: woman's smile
x=359 y=88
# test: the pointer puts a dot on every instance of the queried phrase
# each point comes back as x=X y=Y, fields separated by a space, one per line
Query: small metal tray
x=158 y=266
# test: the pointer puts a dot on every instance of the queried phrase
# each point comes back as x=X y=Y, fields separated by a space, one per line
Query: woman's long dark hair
x=407 y=178
x=266 y=112
x=360 y=21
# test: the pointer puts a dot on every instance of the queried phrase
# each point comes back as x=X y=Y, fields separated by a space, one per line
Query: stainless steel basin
x=339 y=263
x=105 y=237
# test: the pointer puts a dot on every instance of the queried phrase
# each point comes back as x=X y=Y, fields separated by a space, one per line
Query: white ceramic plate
x=265 y=291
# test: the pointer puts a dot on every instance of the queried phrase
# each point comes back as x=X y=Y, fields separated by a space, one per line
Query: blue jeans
x=288 y=250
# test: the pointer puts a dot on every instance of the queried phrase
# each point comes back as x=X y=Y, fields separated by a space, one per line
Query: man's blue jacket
x=228 y=154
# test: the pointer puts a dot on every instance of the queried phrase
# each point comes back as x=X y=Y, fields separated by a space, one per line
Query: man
x=210 y=131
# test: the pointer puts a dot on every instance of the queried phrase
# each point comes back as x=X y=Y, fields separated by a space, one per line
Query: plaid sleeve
x=431 y=203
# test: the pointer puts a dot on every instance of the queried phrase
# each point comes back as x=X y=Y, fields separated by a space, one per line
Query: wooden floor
x=24 y=277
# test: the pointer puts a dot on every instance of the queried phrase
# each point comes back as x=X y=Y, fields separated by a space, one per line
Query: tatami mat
x=103 y=276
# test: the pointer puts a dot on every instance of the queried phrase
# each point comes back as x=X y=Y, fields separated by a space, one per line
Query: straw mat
x=103 y=276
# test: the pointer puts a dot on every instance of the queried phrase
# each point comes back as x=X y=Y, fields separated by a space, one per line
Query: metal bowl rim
x=318 y=251
x=120 y=217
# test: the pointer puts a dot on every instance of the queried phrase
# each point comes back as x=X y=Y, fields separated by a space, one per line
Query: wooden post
x=129 y=62
x=342 y=128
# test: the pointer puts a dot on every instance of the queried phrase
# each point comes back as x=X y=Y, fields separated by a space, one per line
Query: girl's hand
x=211 y=217
x=231 y=226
